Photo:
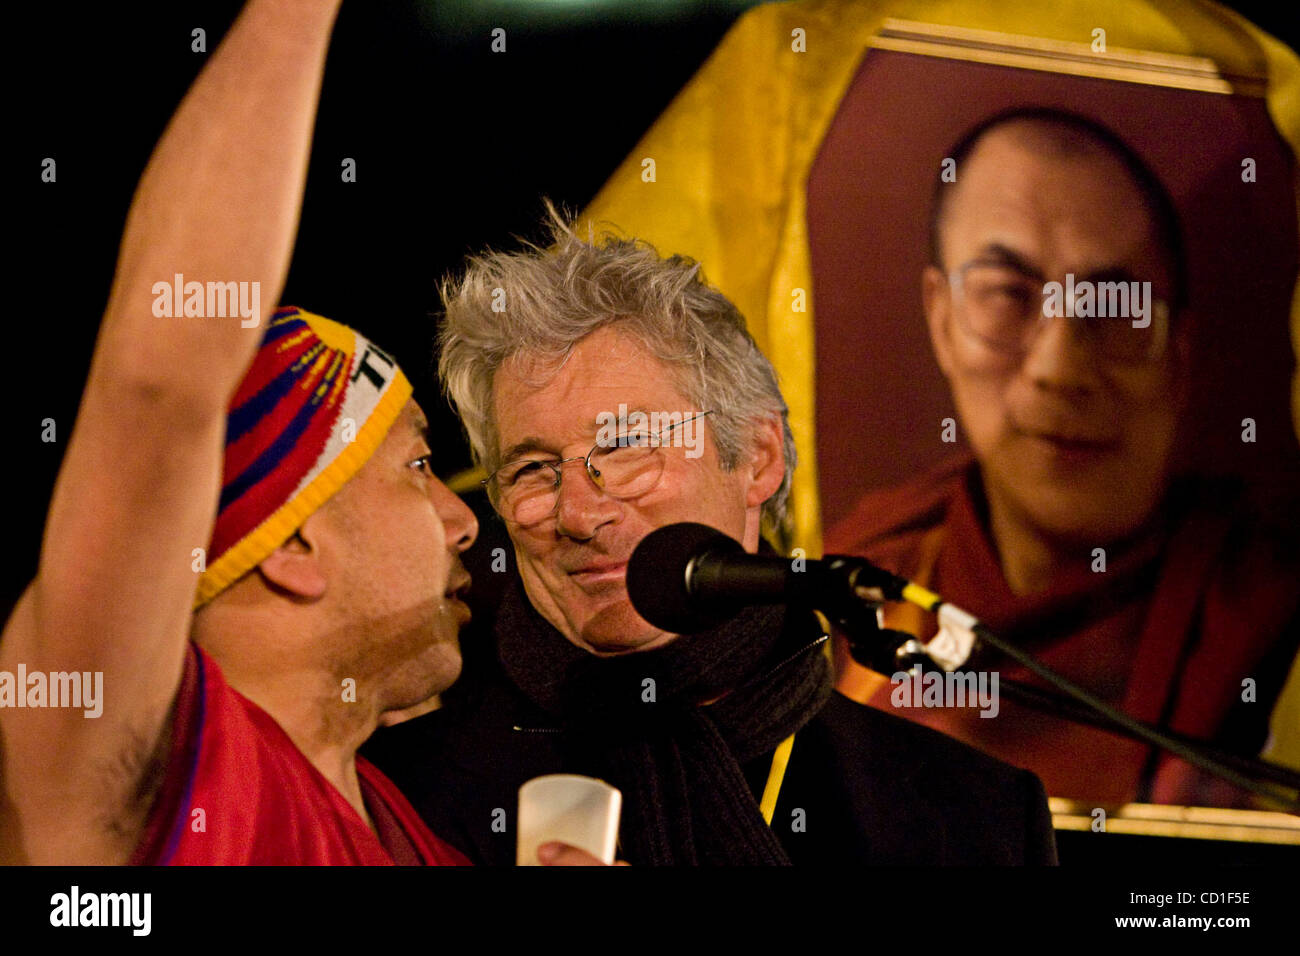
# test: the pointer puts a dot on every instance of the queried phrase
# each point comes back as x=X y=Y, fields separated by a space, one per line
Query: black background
x=455 y=146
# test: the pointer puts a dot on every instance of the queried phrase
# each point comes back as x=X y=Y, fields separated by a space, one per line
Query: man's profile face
x=394 y=545
x=1068 y=442
x=573 y=564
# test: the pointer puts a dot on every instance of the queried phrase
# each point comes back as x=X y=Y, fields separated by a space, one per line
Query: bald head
x=1075 y=143
x=1074 y=440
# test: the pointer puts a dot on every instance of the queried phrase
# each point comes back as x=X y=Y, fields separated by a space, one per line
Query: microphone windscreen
x=656 y=576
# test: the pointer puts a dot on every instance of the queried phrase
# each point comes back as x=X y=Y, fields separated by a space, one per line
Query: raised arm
x=139 y=484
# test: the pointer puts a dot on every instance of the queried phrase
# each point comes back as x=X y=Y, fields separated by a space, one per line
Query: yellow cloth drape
x=732 y=152
x=731 y=157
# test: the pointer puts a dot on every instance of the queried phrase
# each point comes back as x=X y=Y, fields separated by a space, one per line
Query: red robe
x=1167 y=633
x=261 y=801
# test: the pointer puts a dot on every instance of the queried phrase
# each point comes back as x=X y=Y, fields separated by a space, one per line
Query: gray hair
x=555 y=297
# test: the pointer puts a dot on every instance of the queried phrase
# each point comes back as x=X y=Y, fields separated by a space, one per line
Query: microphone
x=687 y=577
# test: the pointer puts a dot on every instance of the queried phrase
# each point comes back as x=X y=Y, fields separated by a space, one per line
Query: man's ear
x=936 y=297
x=294 y=567
x=766 y=462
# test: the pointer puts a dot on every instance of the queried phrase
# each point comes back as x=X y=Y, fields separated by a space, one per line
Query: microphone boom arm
x=868 y=586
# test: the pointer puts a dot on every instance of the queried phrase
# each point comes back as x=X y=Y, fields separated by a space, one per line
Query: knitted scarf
x=636 y=721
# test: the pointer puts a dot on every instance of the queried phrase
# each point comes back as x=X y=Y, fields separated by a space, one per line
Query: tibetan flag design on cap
x=313 y=407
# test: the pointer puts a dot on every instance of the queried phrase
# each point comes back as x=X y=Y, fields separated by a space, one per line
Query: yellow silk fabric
x=732 y=152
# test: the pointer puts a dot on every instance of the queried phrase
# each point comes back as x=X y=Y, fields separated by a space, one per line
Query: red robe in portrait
x=1168 y=633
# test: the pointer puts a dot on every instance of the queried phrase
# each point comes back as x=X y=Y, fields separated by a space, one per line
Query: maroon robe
x=1167 y=633
x=261 y=800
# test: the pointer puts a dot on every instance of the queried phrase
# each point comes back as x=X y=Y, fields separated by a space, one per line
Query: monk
x=1069 y=531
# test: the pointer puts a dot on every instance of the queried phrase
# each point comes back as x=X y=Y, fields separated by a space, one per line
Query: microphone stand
x=852 y=591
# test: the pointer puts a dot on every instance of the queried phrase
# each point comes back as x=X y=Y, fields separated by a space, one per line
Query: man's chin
x=606 y=646
x=437 y=670
x=620 y=630
x=1083 y=521
x=391 y=718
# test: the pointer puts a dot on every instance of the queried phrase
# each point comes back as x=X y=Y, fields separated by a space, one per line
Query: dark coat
x=862 y=786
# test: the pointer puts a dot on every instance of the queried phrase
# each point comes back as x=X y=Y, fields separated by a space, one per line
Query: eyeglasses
x=527 y=490
x=1006 y=309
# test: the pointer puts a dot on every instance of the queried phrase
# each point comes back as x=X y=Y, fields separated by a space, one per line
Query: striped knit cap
x=313 y=407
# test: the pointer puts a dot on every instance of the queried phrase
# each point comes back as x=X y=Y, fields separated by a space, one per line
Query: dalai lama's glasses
x=527 y=490
x=1007 y=308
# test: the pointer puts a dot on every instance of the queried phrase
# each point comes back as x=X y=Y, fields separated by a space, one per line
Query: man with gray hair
x=729 y=746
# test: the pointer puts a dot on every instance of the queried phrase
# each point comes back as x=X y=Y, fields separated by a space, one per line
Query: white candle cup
x=580 y=811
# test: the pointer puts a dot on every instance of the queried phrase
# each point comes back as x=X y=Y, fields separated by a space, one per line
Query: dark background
x=454 y=145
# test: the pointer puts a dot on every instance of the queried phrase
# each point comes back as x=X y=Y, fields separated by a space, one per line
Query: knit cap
x=315 y=404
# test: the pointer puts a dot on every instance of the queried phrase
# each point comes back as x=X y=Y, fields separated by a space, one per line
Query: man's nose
x=1060 y=356
x=581 y=507
x=458 y=519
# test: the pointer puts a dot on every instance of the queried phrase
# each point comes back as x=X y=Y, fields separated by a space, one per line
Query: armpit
x=132 y=781
x=150 y=775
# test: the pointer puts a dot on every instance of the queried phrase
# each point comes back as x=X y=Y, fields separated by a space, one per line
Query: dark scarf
x=678 y=764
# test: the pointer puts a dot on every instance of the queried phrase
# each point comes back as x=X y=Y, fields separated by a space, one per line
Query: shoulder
x=214 y=745
x=913 y=795
x=868 y=735
x=888 y=517
x=1260 y=552
x=1248 y=597
x=236 y=789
